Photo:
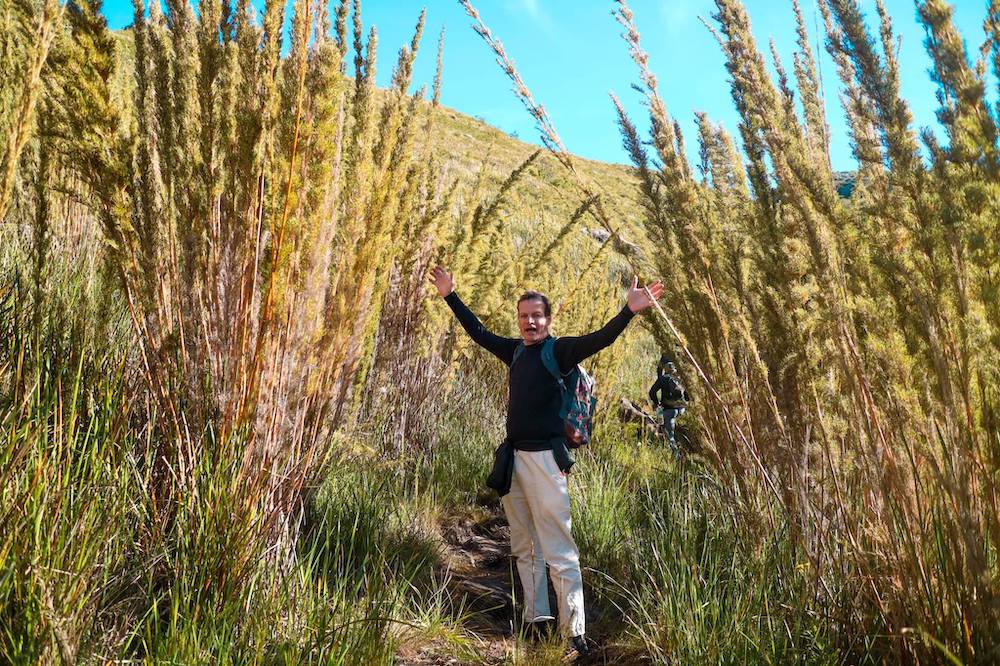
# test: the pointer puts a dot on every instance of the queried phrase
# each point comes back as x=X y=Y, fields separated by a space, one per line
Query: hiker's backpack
x=579 y=396
x=675 y=395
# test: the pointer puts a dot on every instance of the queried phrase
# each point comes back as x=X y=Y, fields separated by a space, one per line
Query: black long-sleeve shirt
x=534 y=398
x=666 y=392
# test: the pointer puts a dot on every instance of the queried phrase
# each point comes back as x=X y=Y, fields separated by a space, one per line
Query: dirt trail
x=481 y=574
x=478 y=554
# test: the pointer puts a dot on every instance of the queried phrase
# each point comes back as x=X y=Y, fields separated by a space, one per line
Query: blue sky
x=571 y=55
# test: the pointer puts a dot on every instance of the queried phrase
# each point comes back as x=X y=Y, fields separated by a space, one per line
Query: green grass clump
x=689 y=578
x=94 y=564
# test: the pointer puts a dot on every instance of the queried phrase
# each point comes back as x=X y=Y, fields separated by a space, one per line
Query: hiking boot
x=579 y=644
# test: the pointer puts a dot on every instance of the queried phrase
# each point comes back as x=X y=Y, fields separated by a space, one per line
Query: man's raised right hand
x=443 y=280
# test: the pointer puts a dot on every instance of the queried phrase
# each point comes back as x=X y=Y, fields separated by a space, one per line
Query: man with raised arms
x=537 y=504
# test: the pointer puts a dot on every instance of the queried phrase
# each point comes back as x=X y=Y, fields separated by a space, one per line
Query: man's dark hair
x=537 y=296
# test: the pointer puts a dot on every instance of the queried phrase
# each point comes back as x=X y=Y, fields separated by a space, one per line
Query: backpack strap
x=518 y=350
x=550 y=362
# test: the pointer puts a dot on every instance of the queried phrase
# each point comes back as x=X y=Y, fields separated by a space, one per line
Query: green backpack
x=578 y=395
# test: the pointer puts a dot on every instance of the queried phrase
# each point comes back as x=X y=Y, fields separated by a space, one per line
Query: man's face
x=532 y=321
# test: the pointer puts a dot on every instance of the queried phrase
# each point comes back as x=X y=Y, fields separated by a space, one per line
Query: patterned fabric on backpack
x=579 y=397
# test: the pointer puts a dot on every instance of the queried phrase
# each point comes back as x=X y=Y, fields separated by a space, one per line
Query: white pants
x=537 y=509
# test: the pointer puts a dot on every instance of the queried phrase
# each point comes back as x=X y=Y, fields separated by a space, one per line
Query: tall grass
x=666 y=547
x=252 y=207
x=228 y=432
x=91 y=570
x=870 y=444
x=27 y=39
x=846 y=349
x=216 y=260
x=67 y=483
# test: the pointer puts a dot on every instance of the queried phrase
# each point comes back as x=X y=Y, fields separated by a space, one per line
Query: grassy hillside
x=471 y=143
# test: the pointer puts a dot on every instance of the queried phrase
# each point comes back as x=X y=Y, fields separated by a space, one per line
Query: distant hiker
x=669 y=398
x=537 y=497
